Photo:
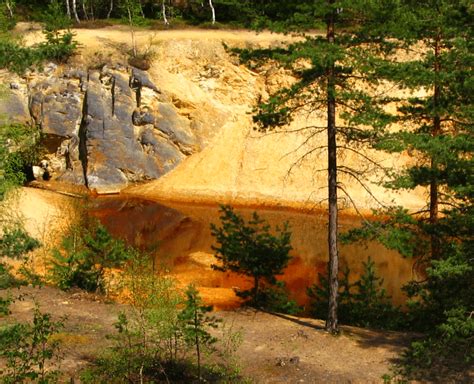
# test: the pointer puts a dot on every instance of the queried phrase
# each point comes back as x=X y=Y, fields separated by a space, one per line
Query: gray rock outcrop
x=97 y=128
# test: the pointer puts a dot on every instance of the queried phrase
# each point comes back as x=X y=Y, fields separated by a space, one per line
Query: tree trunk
x=213 y=12
x=434 y=198
x=68 y=9
x=331 y=323
x=111 y=8
x=84 y=9
x=9 y=7
x=198 y=350
x=256 y=287
x=141 y=8
x=163 y=11
x=74 y=10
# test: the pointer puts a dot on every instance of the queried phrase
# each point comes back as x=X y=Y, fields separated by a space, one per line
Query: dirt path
x=97 y=38
x=275 y=349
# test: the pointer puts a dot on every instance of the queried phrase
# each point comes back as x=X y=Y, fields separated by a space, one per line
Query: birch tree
x=163 y=12
x=68 y=9
x=111 y=8
x=213 y=11
x=74 y=11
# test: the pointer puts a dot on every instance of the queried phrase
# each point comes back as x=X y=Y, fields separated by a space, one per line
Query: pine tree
x=333 y=81
x=250 y=249
x=435 y=127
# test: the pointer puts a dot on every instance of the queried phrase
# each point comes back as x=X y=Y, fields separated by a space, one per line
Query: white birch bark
x=111 y=8
x=132 y=31
x=84 y=9
x=74 y=10
x=68 y=9
x=213 y=12
x=163 y=11
x=9 y=7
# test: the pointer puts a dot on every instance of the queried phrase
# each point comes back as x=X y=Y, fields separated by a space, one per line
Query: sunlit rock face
x=186 y=126
x=102 y=128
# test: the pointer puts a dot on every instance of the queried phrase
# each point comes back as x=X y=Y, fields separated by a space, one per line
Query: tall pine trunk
x=331 y=322
x=434 y=188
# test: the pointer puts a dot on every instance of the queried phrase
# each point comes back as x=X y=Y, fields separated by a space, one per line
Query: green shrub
x=195 y=324
x=275 y=298
x=154 y=336
x=58 y=46
x=27 y=351
x=248 y=248
x=19 y=150
x=86 y=252
x=364 y=303
x=15 y=242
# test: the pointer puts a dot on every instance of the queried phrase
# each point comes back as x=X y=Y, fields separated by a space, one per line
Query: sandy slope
x=239 y=165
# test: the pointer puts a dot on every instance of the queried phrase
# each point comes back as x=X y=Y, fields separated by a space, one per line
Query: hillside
x=205 y=95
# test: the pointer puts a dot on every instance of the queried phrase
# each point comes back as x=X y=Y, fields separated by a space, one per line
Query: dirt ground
x=275 y=349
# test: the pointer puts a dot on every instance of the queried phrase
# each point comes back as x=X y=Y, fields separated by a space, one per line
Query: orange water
x=181 y=235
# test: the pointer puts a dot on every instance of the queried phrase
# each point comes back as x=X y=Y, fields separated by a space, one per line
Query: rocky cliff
x=186 y=124
x=103 y=128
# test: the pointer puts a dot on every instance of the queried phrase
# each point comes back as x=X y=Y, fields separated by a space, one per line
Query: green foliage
x=364 y=303
x=153 y=337
x=195 y=324
x=54 y=17
x=19 y=150
x=5 y=302
x=58 y=46
x=7 y=21
x=400 y=231
x=275 y=298
x=15 y=242
x=7 y=279
x=18 y=59
x=27 y=351
x=85 y=254
x=148 y=336
x=250 y=249
x=435 y=128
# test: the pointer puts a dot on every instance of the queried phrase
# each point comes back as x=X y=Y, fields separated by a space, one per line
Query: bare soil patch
x=276 y=348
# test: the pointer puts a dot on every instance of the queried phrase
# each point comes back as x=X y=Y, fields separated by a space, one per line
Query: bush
x=27 y=351
x=15 y=243
x=85 y=254
x=364 y=303
x=59 y=46
x=275 y=299
x=19 y=150
x=249 y=248
x=153 y=338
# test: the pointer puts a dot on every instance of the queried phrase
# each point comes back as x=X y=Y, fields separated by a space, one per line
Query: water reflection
x=184 y=241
